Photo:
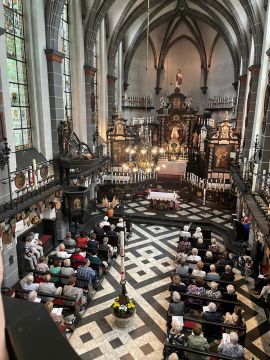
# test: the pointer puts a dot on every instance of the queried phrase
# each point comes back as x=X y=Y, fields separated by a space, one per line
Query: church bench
x=191 y=277
x=169 y=348
x=209 y=299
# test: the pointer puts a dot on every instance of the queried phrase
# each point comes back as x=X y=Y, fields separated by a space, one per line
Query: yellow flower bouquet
x=123 y=310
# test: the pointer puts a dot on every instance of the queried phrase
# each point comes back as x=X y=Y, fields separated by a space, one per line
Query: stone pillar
x=241 y=102
x=62 y=225
x=251 y=104
x=120 y=77
x=265 y=137
x=54 y=61
x=111 y=97
x=90 y=106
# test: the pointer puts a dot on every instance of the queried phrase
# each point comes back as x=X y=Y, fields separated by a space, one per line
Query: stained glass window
x=17 y=73
x=64 y=28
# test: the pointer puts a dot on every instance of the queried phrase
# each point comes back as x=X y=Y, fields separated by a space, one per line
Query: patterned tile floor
x=149 y=257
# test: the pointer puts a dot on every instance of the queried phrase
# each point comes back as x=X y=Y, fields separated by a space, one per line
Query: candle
x=204 y=196
x=254 y=180
x=34 y=166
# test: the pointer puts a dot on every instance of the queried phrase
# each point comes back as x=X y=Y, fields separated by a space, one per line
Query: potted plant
x=110 y=205
x=123 y=309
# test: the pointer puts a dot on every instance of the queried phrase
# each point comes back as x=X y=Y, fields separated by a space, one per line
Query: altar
x=163 y=200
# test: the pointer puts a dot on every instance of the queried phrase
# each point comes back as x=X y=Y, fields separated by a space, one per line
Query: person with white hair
x=185 y=232
x=209 y=257
x=198 y=233
x=228 y=275
x=232 y=348
x=193 y=257
x=173 y=356
x=197 y=341
x=214 y=247
x=33 y=297
x=66 y=270
x=62 y=253
x=230 y=295
x=200 y=244
x=36 y=244
x=198 y=271
x=30 y=285
x=177 y=307
x=105 y=221
x=212 y=315
x=213 y=292
x=212 y=275
x=121 y=223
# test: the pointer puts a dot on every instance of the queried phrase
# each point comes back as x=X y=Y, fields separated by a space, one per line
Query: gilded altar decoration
x=77 y=204
x=19 y=180
x=178 y=79
x=119 y=127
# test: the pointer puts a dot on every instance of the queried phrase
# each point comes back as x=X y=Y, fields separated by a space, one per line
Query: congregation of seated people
x=203 y=296
x=70 y=275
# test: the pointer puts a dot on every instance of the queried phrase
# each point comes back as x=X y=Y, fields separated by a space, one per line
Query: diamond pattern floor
x=149 y=257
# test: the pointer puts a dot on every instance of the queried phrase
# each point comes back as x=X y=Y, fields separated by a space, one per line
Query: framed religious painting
x=119 y=155
x=221 y=158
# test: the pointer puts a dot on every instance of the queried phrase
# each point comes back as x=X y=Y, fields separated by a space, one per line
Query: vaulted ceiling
x=236 y=21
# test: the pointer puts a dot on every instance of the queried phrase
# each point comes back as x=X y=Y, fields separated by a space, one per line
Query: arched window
x=17 y=74
x=64 y=28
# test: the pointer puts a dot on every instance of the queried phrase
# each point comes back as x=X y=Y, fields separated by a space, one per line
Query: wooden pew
x=222 y=282
x=169 y=348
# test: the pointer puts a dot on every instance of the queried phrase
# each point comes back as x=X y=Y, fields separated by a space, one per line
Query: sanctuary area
x=135 y=179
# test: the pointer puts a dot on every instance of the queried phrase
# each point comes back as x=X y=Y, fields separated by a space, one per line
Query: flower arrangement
x=110 y=204
x=123 y=310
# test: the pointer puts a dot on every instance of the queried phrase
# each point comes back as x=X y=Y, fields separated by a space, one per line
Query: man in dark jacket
x=209 y=330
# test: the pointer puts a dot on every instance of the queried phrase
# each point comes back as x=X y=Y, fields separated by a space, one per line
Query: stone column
x=90 y=106
x=251 y=104
x=111 y=97
x=265 y=137
x=54 y=61
x=241 y=102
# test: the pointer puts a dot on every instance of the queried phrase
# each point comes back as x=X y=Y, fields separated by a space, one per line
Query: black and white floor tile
x=190 y=211
x=149 y=256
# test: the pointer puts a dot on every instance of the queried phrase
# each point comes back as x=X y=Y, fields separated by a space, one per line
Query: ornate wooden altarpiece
x=176 y=127
x=119 y=138
x=223 y=145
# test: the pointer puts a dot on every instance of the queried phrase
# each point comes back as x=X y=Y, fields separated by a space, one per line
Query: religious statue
x=175 y=133
x=188 y=102
x=163 y=102
x=195 y=140
x=119 y=128
x=178 y=79
x=225 y=131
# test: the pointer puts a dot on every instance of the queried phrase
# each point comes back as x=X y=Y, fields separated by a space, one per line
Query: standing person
x=29 y=253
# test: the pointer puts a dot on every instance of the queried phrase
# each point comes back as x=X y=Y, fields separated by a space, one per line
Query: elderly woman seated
x=212 y=275
x=184 y=246
x=33 y=297
x=77 y=293
x=211 y=315
x=177 y=285
x=67 y=270
x=214 y=247
x=197 y=341
x=198 y=271
x=177 y=307
x=198 y=233
x=30 y=285
x=48 y=287
x=200 y=244
x=231 y=295
x=196 y=289
x=228 y=275
x=209 y=257
x=213 y=292
x=232 y=348
x=185 y=232
x=181 y=267
x=193 y=257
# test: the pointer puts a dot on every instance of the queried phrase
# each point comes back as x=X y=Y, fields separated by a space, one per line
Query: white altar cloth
x=162 y=196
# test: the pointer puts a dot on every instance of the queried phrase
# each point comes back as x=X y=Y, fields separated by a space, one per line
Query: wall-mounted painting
x=221 y=157
x=118 y=152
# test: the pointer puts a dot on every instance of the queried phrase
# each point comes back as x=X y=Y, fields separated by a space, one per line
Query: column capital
x=255 y=69
x=243 y=78
x=54 y=55
x=89 y=70
x=111 y=78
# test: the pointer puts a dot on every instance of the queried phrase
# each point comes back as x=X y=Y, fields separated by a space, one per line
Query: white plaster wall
x=221 y=75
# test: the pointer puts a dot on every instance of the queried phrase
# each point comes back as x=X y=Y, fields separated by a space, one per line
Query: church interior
x=135 y=179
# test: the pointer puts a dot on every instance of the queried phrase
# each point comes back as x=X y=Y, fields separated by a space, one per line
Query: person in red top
x=77 y=259
x=81 y=240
